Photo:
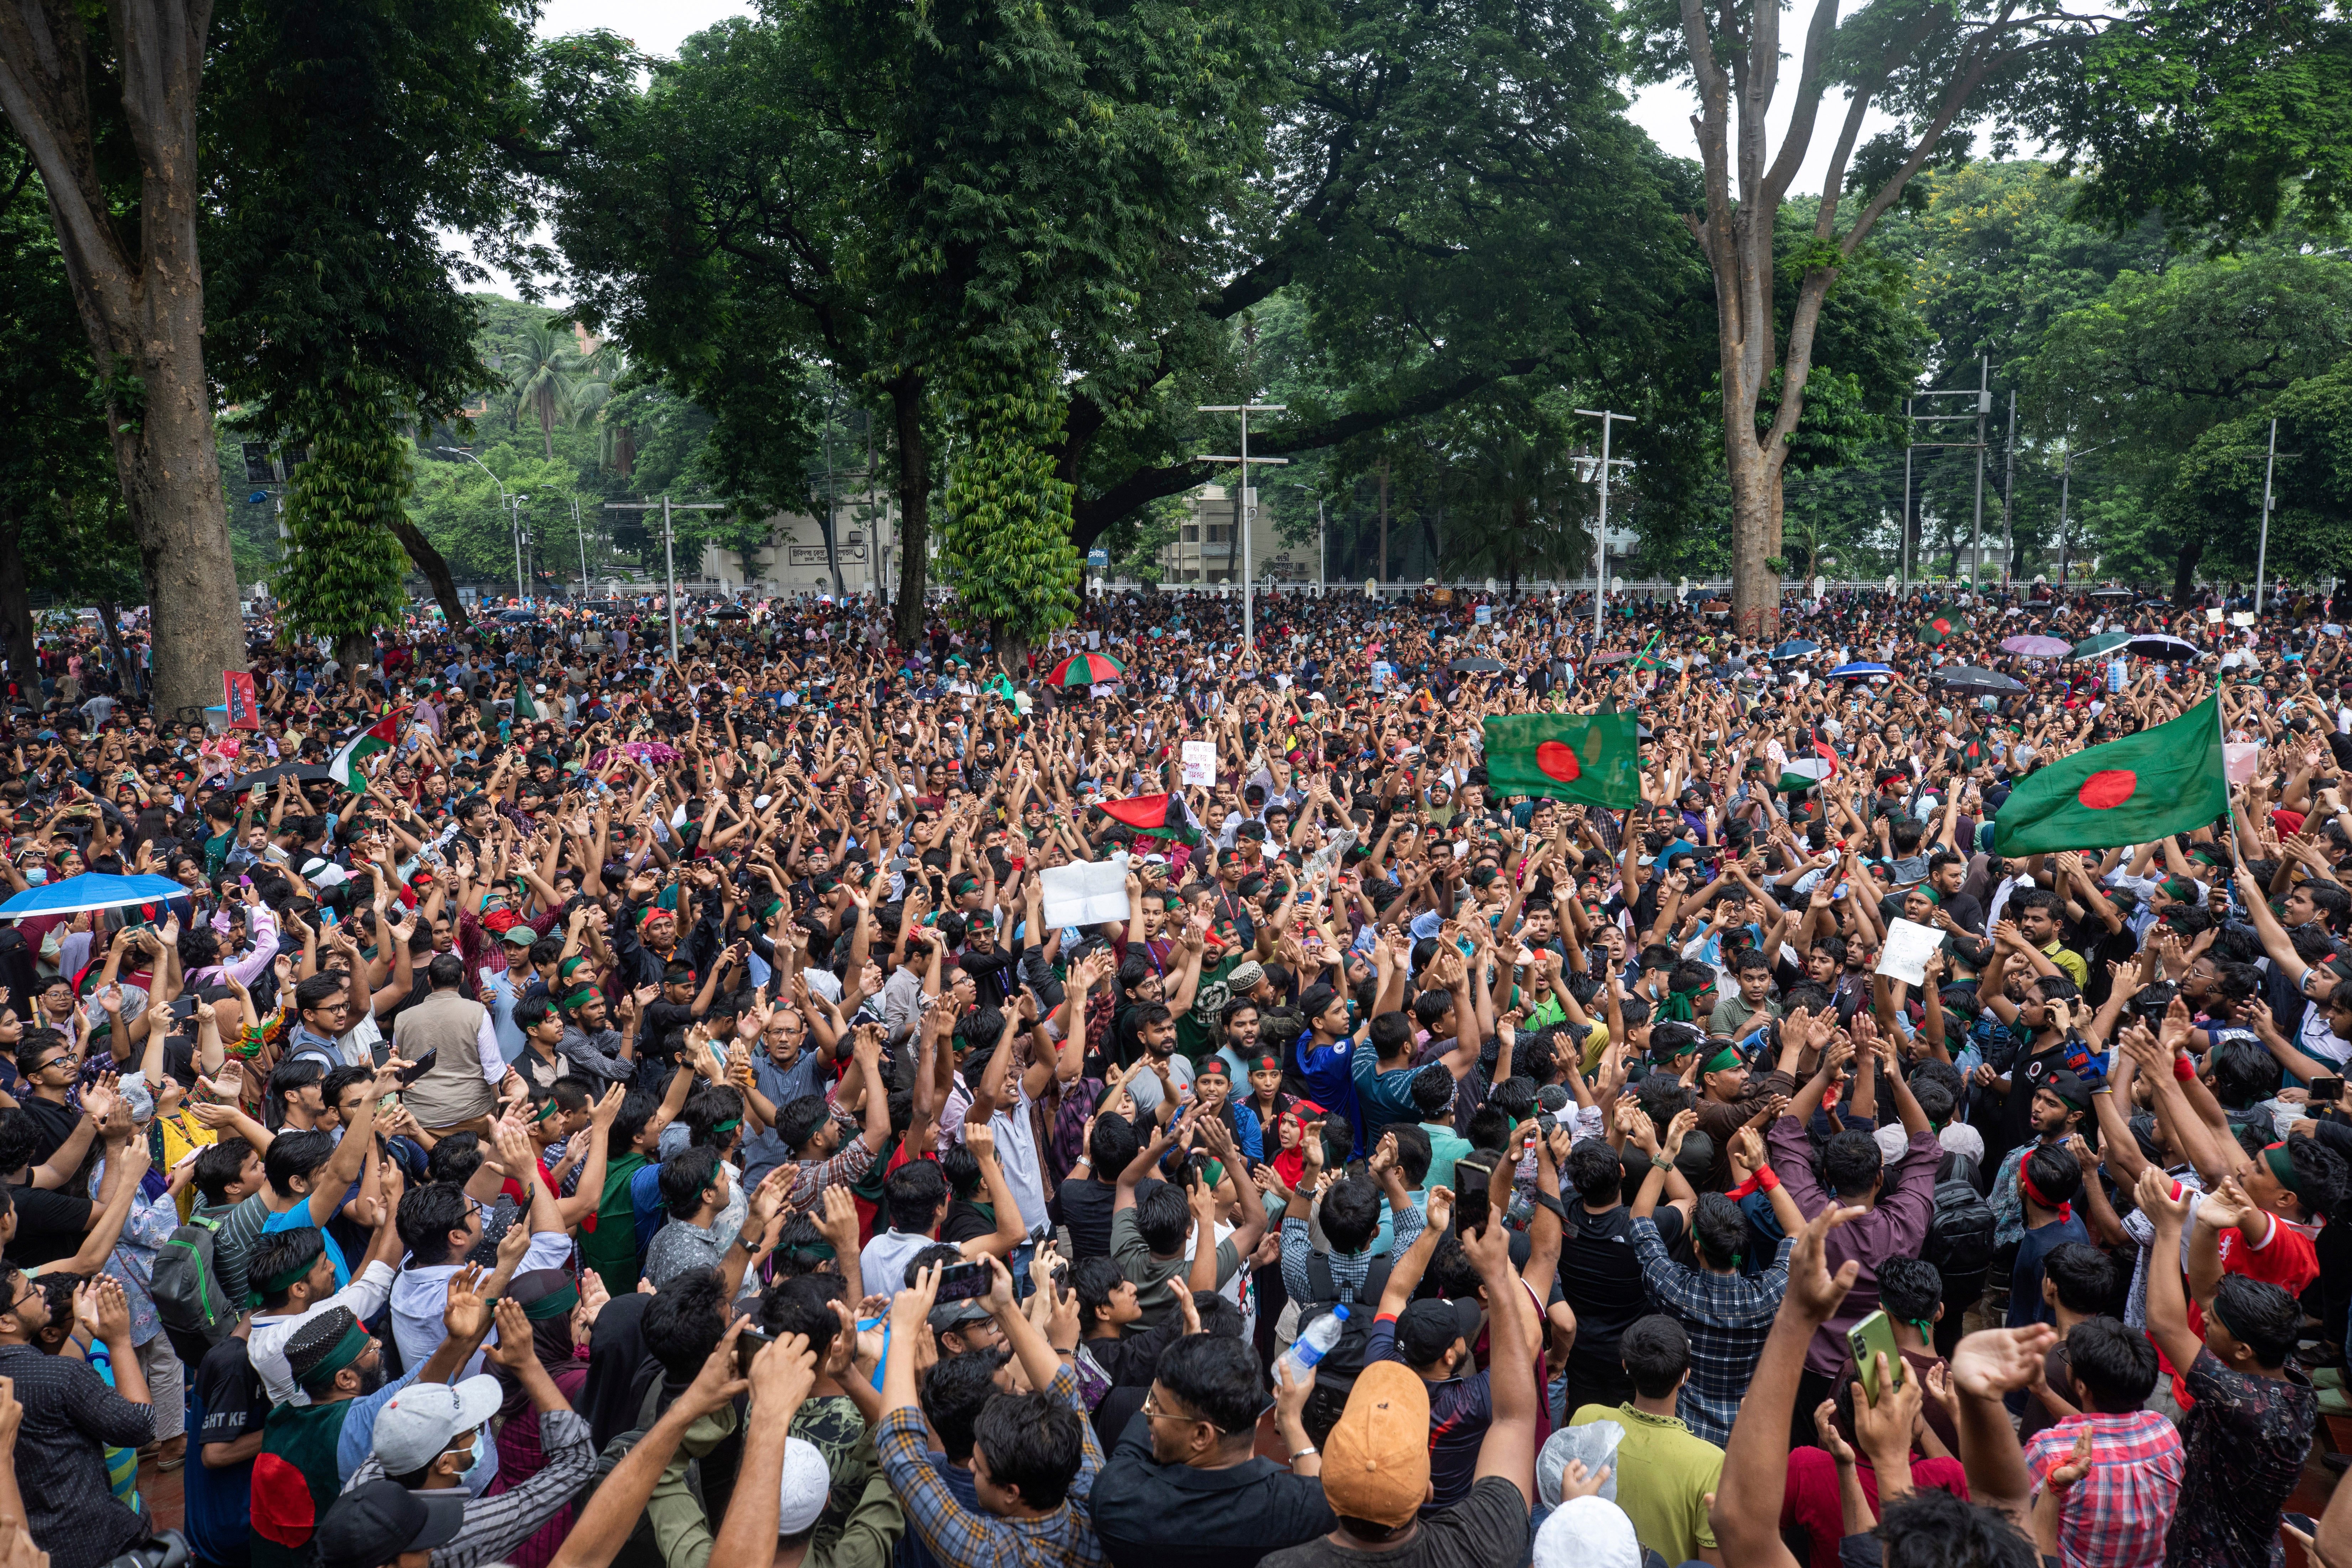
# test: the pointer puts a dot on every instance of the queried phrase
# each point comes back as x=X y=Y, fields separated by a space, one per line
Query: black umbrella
x=1477 y=667
x=731 y=614
x=300 y=772
x=2163 y=644
x=1970 y=678
x=2111 y=592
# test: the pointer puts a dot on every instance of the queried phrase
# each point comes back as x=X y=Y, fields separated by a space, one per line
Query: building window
x=1191 y=536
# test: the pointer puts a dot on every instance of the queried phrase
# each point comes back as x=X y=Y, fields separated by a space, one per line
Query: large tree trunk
x=2184 y=571
x=17 y=619
x=913 y=512
x=144 y=309
x=429 y=561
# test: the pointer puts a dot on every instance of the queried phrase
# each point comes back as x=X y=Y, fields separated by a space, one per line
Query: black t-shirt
x=54 y=1124
x=234 y=1400
x=1085 y=1206
x=1601 y=1275
x=968 y=1221
x=1487 y=1527
x=49 y=1226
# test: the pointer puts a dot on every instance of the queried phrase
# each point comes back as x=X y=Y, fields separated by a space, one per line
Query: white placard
x=1201 y=763
x=1085 y=892
x=1905 y=955
x=2213 y=616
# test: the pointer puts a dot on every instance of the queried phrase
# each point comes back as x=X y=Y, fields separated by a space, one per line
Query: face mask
x=36 y=875
x=481 y=1466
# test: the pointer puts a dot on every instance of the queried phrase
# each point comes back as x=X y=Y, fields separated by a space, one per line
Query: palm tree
x=542 y=374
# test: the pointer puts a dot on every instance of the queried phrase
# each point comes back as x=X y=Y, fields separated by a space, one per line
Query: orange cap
x=1376 y=1461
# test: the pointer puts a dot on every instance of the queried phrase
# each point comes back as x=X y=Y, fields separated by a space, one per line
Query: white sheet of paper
x=1905 y=955
x=1201 y=763
x=1085 y=892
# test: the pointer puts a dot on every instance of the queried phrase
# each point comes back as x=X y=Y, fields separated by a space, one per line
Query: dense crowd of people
x=568 y=1103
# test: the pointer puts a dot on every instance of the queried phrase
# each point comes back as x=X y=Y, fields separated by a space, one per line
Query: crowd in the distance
x=653 y=1119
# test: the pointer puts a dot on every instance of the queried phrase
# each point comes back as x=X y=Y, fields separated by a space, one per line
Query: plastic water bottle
x=1314 y=1345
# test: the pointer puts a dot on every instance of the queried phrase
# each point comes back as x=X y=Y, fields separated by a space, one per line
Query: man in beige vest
x=460 y=1091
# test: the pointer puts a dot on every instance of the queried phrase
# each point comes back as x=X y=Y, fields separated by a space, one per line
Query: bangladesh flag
x=344 y=769
x=1591 y=759
x=1156 y=817
x=2166 y=780
x=1939 y=623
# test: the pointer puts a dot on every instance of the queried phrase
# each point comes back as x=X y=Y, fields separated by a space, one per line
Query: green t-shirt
x=1196 y=1029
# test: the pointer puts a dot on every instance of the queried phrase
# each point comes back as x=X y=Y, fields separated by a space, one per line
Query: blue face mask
x=482 y=1467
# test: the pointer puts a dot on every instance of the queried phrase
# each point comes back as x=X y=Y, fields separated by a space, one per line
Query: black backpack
x=1959 y=1232
x=1336 y=1374
x=185 y=1283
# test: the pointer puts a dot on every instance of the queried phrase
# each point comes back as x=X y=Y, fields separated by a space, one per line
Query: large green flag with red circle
x=1591 y=758
x=2161 y=781
x=1939 y=623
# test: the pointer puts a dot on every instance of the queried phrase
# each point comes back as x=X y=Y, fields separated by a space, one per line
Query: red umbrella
x=1087 y=670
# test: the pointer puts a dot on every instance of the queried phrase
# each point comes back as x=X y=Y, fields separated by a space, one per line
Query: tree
x=2160 y=360
x=544 y=376
x=1923 y=60
x=346 y=561
x=92 y=102
x=344 y=138
x=2217 y=495
x=1447 y=197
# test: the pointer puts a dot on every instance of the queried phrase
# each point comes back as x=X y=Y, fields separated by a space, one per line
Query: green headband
x=280 y=1283
x=727 y=1126
x=2275 y=1157
x=554 y=1304
x=349 y=1349
x=546 y=1110
x=574 y=1001
x=1723 y=1060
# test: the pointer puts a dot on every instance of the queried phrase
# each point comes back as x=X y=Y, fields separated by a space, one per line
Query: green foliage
x=1004 y=546
x=2221 y=115
x=2217 y=496
x=343 y=577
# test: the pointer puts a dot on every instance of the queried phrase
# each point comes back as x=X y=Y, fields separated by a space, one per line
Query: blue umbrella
x=1858 y=671
x=91 y=890
x=1796 y=648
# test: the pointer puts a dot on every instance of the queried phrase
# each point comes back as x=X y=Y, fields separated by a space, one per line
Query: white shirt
x=883 y=1262
x=420 y=1294
x=266 y=1345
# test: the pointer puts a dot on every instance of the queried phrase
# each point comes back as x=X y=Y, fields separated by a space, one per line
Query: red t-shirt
x=2285 y=1258
x=1810 y=1497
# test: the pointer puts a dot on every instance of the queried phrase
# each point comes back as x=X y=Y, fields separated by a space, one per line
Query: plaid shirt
x=960 y=1538
x=1727 y=1316
x=2115 y=1517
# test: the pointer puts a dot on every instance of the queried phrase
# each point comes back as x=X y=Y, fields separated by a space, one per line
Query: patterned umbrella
x=1087 y=670
x=2035 y=648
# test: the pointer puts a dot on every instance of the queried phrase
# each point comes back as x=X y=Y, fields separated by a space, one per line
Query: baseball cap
x=806 y=1483
x=518 y=934
x=955 y=1314
x=422 y=1419
x=372 y=1524
x=1376 y=1461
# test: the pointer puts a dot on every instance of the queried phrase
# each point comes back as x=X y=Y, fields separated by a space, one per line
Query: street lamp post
x=516 y=525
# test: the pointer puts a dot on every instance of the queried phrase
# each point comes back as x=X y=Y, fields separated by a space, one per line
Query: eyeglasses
x=1152 y=1411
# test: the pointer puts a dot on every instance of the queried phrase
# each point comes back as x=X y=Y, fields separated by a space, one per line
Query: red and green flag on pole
x=380 y=736
x=1937 y=626
x=1589 y=759
x=2166 y=780
x=1156 y=817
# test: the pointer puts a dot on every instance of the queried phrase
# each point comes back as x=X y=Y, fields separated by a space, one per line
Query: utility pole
x=1243 y=511
x=1601 y=522
x=1384 y=522
x=580 y=534
x=516 y=524
x=2007 y=486
x=669 y=556
x=2263 y=551
x=1984 y=407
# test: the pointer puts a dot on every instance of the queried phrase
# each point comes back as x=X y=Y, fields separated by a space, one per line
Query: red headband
x=2025 y=1182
